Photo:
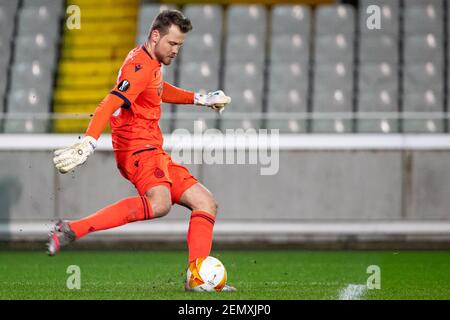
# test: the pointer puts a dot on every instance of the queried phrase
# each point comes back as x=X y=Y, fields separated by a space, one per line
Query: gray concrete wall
x=325 y=185
x=310 y=186
x=27 y=186
x=428 y=186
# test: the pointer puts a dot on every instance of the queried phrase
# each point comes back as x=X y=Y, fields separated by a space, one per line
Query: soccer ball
x=206 y=274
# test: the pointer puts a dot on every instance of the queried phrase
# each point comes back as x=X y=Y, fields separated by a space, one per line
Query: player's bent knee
x=209 y=205
x=215 y=206
x=160 y=201
x=161 y=208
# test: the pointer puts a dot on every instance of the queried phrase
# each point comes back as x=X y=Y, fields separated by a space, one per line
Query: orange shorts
x=149 y=168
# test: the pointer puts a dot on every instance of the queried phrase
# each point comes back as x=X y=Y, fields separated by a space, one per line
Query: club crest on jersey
x=123 y=85
x=159 y=173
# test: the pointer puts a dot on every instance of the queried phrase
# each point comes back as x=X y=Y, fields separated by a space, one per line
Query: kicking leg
x=154 y=204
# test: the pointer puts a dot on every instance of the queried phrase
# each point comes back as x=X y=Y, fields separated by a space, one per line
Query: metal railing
x=286 y=122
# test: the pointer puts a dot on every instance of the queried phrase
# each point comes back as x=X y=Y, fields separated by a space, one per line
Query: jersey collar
x=148 y=53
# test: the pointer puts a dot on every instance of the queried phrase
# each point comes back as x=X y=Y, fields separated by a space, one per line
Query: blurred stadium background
x=363 y=117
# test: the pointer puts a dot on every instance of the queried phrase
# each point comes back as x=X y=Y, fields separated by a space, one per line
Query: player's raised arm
x=216 y=100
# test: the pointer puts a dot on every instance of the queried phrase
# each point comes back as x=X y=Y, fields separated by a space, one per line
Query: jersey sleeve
x=172 y=94
x=133 y=78
x=102 y=114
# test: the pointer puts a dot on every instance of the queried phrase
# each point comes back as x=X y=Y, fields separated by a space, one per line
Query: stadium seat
x=425 y=18
x=426 y=101
x=423 y=57
x=335 y=19
x=290 y=48
x=382 y=75
x=378 y=93
x=56 y=7
x=32 y=48
x=245 y=80
x=288 y=76
x=244 y=64
x=448 y=24
x=333 y=67
x=34 y=20
x=29 y=100
x=199 y=64
x=31 y=79
x=332 y=102
x=380 y=101
x=333 y=93
x=204 y=44
x=3 y=83
x=423 y=75
x=24 y=124
x=205 y=19
x=423 y=100
x=288 y=92
x=378 y=57
x=10 y=5
x=194 y=118
x=333 y=48
x=5 y=52
x=334 y=37
x=384 y=103
x=421 y=48
x=337 y=76
x=290 y=37
x=437 y=3
x=244 y=83
x=257 y=83
x=378 y=48
x=199 y=77
x=389 y=18
x=201 y=47
x=287 y=19
x=31 y=75
x=423 y=88
x=244 y=48
x=288 y=81
x=7 y=14
x=244 y=19
x=8 y=10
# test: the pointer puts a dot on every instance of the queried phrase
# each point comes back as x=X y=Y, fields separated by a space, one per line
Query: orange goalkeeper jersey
x=140 y=85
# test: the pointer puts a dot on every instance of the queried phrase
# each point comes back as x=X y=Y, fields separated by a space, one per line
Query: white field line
x=352 y=292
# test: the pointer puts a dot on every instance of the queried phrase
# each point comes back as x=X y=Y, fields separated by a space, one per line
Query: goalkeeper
x=133 y=108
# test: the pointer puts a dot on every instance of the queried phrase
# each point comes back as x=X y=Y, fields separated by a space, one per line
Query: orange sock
x=122 y=212
x=200 y=234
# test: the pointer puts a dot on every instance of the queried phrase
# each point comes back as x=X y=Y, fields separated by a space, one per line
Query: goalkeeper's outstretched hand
x=75 y=155
x=216 y=100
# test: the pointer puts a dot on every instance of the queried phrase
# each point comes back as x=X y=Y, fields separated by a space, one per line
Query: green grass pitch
x=269 y=275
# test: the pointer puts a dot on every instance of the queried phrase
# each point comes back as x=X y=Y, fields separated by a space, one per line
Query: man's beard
x=164 y=60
